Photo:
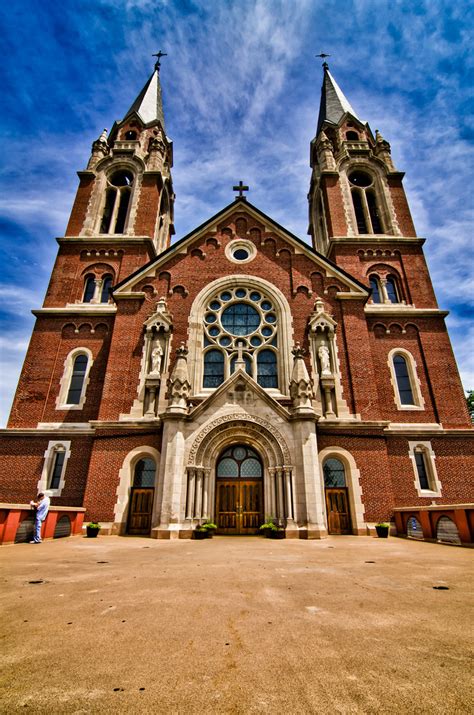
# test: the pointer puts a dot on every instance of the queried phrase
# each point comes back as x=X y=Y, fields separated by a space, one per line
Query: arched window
x=117 y=201
x=375 y=285
x=130 y=135
x=402 y=375
x=245 y=320
x=422 y=470
x=89 y=289
x=213 y=368
x=57 y=465
x=144 y=475
x=352 y=136
x=77 y=380
x=364 y=199
x=106 y=286
x=334 y=473
x=267 y=371
x=392 y=290
x=359 y=211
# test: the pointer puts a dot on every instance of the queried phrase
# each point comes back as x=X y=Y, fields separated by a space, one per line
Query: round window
x=240 y=254
x=240 y=319
x=360 y=178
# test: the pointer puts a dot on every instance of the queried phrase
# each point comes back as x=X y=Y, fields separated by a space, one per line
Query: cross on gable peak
x=240 y=188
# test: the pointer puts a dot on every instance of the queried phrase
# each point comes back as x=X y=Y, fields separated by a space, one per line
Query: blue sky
x=241 y=91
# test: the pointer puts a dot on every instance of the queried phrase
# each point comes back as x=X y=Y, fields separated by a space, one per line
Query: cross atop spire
x=240 y=188
x=159 y=55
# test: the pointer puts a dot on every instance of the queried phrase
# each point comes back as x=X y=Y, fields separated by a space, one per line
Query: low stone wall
x=16 y=521
x=445 y=523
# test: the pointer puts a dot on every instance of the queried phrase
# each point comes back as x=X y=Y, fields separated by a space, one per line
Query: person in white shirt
x=42 y=506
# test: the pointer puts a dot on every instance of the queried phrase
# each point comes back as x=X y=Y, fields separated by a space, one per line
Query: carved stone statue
x=156 y=358
x=323 y=354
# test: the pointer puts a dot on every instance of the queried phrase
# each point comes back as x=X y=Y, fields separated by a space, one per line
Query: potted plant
x=210 y=528
x=92 y=529
x=382 y=529
x=272 y=530
x=200 y=532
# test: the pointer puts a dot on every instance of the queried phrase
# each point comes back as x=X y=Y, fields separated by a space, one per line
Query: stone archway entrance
x=239 y=491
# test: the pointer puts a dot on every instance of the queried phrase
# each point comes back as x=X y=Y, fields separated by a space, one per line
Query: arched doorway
x=141 y=497
x=337 y=502
x=239 y=491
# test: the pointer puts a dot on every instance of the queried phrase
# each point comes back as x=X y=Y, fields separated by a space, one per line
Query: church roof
x=333 y=102
x=149 y=103
x=211 y=223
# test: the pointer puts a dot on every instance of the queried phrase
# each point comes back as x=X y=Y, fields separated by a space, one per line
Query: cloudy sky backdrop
x=241 y=90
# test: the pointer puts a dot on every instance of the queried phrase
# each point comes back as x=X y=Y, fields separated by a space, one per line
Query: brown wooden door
x=141 y=506
x=239 y=506
x=337 y=505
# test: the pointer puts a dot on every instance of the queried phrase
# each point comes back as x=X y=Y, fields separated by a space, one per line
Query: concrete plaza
x=235 y=625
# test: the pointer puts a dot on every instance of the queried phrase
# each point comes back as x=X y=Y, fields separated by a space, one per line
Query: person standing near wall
x=42 y=506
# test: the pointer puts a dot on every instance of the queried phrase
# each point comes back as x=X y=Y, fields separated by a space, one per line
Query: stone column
x=170 y=507
x=151 y=401
x=280 y=506
x=190 y=493
x=308 y=485
x=199 y=489
x=288 y=493
x=271 y=505
x=205 y=494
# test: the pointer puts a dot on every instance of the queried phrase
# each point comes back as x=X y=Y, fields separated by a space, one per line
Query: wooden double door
x=239 y=491
x=337 y=505
x=239 y=506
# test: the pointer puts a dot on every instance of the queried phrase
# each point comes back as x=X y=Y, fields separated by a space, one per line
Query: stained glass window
x=240 y=319
x=267 y=372
x=403 y=380
x=77 y=380
x=144 y=473
x=239 y=462
x=334 y=475
x=213 y=368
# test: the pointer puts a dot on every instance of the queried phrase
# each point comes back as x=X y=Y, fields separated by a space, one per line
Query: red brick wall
x=52 y=340
x=400 y=204
x=334 y=206
x=110 y=450
x=148 y=206
x=22 y=464
x=81 y=202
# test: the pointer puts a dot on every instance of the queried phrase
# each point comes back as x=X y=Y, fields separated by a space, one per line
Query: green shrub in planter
x=272 y=530
x=382 y=529
x=92 y=529
x=210 y=528
x=200 y=533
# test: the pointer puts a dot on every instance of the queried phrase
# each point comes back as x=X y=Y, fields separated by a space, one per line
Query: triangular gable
x=182 y=246
x=238 y=377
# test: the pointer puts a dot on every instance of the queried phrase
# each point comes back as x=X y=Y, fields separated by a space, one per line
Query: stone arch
x=258 y=434
x=125 y=482
x=354 y=487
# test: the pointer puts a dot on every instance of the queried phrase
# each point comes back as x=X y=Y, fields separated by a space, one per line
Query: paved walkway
x=235 y=625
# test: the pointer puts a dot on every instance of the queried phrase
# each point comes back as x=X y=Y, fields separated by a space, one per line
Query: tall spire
x=149 y=104
x=333 y=102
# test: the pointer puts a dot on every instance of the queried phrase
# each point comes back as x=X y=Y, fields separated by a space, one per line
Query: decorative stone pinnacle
x=298 y=351
x=182 y=351
x=103 y=136
x=319 y=305
x=161 y=306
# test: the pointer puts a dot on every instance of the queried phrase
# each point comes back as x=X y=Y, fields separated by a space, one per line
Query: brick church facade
x=240 y=372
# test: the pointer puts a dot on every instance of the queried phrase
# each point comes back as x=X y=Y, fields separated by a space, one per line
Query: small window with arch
x=392 y=289
x=352 y=136
x=117 y=202
x=89 y=288
x=78 y=376
x=107 y=282
x=57 y=466
x=376 y=289
x=364 y=201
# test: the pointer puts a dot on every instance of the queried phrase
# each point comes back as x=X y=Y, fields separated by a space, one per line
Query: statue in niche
x=325 y=360
x=156 y=358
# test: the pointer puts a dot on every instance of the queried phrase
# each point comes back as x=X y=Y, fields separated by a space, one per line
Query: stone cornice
x=376 y=238
x=42 y=432
x=405 y=310
x=433 y=507
x=116 y=238
x=6 y=505
x=85 y=309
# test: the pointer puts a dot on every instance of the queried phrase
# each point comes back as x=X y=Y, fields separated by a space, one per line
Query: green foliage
x=209 y=526
x=94 y=525
x=385 y=524
x=271 y=525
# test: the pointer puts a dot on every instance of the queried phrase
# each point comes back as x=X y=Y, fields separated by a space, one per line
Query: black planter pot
x=272 y=534
x=382 y=531
x=200 y=535
x=92 y=533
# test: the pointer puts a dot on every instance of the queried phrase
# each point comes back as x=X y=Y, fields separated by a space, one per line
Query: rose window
x=240 y=321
